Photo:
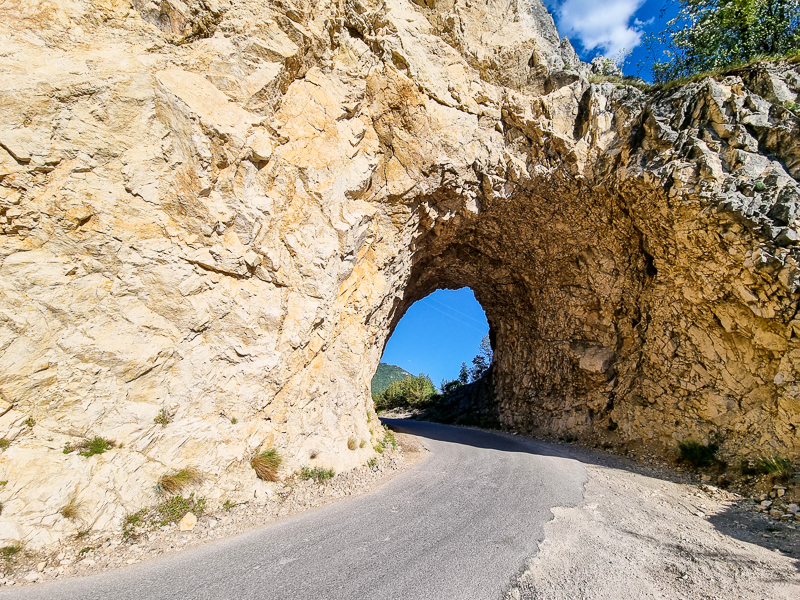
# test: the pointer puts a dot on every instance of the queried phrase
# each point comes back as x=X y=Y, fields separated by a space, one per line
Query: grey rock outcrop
x=214 y=212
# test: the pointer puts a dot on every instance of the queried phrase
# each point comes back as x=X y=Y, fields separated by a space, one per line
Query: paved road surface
x=458 y=526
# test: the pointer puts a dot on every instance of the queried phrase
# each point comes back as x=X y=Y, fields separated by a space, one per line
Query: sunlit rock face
x=219 y=209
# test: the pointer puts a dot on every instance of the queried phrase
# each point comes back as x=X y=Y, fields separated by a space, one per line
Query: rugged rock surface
x=219 y=209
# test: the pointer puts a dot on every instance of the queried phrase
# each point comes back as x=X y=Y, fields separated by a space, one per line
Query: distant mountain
x=385 y=375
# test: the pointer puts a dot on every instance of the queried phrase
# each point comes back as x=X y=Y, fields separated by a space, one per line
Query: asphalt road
x=460 y=525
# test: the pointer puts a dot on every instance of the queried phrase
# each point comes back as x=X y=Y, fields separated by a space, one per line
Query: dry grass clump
x=266 y=464
x=175 y=481
x=351 y=443
x=72 y=509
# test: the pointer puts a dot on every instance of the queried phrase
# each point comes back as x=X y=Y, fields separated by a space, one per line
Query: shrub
x=710 y=34
x=318 y=474
x=72 y=509
x=175 y=481
x=351 y=443
x=234 y=420
x=697 y=454
x=228 y=505
x=778 y=467
x=4 y=443
x=362 y=443
x=266 y=464
x=372 y=462
x=30 y=422
x=162 y=418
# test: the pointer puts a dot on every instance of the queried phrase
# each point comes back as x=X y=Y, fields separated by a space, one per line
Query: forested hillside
x=385 y=375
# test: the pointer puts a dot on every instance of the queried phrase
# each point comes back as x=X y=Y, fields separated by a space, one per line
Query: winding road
x=460 y=525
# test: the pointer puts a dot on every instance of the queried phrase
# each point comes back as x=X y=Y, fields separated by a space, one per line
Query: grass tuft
x=172 y=483
x=362 y=443
x=778 y=467
x=72 y=509
x=352 y=444
x=29 y=422
x=4 y=443
x=318 y=474
x=697 y=454
x=266 y=464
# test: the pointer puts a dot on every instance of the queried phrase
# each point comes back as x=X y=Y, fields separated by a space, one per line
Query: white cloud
x=600 y=25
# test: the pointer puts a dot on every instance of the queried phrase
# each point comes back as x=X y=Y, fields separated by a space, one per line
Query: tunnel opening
x=436 y=360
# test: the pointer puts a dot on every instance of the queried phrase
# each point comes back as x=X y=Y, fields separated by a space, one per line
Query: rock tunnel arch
x=560 y=278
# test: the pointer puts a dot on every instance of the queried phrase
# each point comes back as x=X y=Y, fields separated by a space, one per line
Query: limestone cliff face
x=221 y=208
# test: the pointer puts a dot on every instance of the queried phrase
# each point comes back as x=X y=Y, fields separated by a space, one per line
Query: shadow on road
x=738 y=520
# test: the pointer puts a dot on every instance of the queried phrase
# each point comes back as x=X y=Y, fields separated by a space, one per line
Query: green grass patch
x=318 y=474
x=85 y=550
x=174 y=508
x=8 y=552
x=96 y=445
x=29 y=422
x=4 y=443
x=792 y=57
x=697 y=454
x=621 y=81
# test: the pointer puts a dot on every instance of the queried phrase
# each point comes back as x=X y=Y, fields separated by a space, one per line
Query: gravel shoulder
x=641 y=532
x=101 y=552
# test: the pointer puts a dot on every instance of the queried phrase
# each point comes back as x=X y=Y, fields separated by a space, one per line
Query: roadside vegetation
x=171 y=510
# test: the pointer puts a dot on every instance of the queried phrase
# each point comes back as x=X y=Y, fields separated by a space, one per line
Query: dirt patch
x=642 y=533
x=98 y=552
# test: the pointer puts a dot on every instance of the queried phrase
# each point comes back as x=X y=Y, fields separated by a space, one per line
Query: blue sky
x=607 y=26
x=437 y=334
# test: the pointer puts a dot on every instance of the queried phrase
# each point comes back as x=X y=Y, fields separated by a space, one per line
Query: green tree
x=482 y=360
x=463 y=374
x=710 y=34
x=411 y=392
